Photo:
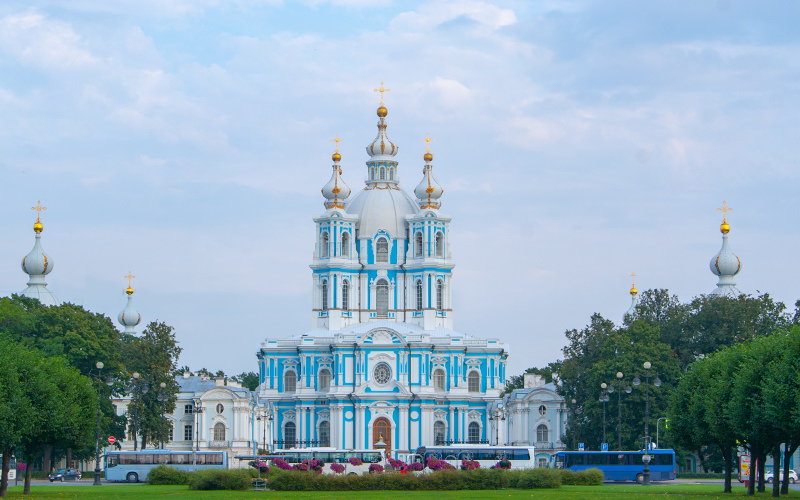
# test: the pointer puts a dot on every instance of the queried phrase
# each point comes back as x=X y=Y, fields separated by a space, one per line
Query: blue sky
x=577 y=142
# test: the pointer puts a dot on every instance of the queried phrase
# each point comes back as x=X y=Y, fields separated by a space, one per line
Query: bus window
x=598 y=459
x=324 y=456
x=620 y=459
x=521 y=454
x=161 y=459
x=112 y=460
x=338 y=457
x=372 y=457
x=488 y=455
x=662 y=459
x=466 y=455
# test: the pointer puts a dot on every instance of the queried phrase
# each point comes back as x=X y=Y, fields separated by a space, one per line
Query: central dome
x=382 y=209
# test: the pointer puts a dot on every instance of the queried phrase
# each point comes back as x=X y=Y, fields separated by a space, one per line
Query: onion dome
x=37 y=265
x=725 y=264
x=634 y=298
x=382 y=146
x=129 y=317
x=428 y=191
x=336 y=191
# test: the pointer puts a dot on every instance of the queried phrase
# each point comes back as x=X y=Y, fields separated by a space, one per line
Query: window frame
x=418 y=244
x=219 y=430
x=382 y=298
x=439 y=294
x=324 y=301
x=290 y=375
x=382 y=249
x=439 y=244
x=345 y=244
x=345 y=295
x=474 y=433
x=473 y=376
x=420 y=295
x=542 y=433
x=439 y=380
x=324 y=244
x=324 y=387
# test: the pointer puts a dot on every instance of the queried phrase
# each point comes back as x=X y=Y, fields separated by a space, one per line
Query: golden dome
x=37 y=227
x=336 y=156
x=428 y=156
x=382 y=111
x=724 y=228
x=634 y=291
x=129 y=291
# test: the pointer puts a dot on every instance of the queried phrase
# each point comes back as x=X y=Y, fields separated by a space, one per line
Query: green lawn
x=605 y=492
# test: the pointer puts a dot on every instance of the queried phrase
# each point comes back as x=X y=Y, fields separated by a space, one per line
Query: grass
x=605 y=492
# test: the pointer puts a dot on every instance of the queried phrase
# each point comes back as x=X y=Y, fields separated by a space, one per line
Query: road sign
x=111 y=439
x=604 y=447
x=580 y=446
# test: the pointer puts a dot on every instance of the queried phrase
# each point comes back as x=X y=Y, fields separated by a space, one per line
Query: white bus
x=133 y=466
x=521 y=457
x=331 y=456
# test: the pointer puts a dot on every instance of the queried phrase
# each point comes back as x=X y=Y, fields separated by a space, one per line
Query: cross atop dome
x=37 y=226
x=382 y=90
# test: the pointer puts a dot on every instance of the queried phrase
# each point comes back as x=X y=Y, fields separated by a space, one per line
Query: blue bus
x=133 y=466
x=620 y=465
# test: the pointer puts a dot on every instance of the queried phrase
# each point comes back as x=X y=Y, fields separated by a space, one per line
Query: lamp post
x=574 y=430
x=628 y=390
x=604 y=399
x=657 y=382
x=197 y=410
x=497 y=416
x=162 y=398
x=99 y=365
x=133 y=389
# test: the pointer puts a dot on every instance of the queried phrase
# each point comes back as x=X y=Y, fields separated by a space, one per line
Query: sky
x=577 y=142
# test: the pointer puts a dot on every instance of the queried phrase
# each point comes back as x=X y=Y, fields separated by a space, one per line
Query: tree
x=247 y=379
x=154 y=355
x=518 y=381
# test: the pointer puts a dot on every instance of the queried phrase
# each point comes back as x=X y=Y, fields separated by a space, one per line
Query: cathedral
x=382 y=361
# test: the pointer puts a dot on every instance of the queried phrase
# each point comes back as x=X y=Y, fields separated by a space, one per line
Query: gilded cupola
x=725 y=264
x=336 y=191
x=129 y=317
x=428 y=191
x=38 y=264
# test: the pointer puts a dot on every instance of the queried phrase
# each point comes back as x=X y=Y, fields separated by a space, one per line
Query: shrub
x=337 y=468
x=283 y=480
x=220 y=479
x=589 y=477
x=538 y=478
x=167 y=475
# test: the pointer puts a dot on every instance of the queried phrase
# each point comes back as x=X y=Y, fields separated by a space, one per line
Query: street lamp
x=497 y=416
x=197 y=410
x=628 y=390
x=99 y=365
x=604 y=399
x=162 y=398
x=133 y=389
x=657 y=382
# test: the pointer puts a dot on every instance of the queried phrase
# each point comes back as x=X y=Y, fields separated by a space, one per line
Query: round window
x=220 y=408
x=542 y=410
x=382 y=373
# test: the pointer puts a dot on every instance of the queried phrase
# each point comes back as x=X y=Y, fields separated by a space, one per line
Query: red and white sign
x=111 y=439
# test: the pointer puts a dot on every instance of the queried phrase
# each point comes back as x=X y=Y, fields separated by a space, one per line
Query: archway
x=382 y=428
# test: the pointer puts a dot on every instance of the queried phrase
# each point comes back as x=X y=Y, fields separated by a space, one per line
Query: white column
x=402 y=430
x=452 y=424
x=359 y=437
x=299 y=414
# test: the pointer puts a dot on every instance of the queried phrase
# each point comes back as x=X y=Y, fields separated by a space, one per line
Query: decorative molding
x=474 y=362
x=324 y=415
x=440 y=415
x=289 y=416
x=438 y=360
x=381 y=356
x=474 y=416
x=382 y=409
x=289 y=362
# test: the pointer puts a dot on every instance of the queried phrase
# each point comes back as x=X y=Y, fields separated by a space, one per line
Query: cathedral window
x=542 y=410
x=439 y=380
x=439 y=433
x=419 y=295
x=542 y=434
x=188 y=432
x=418 y=244
x=324 y=434
x=382 y=250
x=323 y=245
x=289 y=381
x=324 y=381
x=439 y=245
x=383 y=174
x=474 y=381
x=382 y=373
x=324 y=295
x=289 y=435
x=345 y=245
x=382 y=298
x=439 y=295
x=474 y=433
x=345 y=295
x=219 y=431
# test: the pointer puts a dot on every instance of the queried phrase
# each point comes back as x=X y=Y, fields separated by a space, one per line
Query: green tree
x=247 y=379
x=154 y=355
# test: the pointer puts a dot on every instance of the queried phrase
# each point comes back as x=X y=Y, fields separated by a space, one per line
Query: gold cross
x=382 y=90
x=427 y=140
x=38 y=209
x=129 y=277
x=633 y=279
x=337 y=141
x=724 y=209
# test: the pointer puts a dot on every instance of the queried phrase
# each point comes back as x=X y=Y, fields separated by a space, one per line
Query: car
x=65 y=475
x=792 y=476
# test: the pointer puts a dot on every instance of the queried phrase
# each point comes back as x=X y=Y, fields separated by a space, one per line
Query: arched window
x=439 y=433
x=345 y=295
x=474 y=433
x=324 y=381
x=439 y=379
x=542 y=410
x=289 y=381
x=383 y=174
x=219 y=431
x=391 y=174
x=439 y=295
x=289 y=435
x=542 y=433
x=439 y=245
x=382 y=250
x=323 y=245
x=419 y=295
x=325 y=433
x=382 y=298
x=474 y=381
x=324 y=295
x=345 y=244
x=418 y=244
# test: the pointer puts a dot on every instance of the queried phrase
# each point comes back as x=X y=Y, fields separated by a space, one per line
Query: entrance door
x=382 y=428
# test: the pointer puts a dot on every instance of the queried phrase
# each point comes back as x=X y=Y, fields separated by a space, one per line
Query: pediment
x=382 y=336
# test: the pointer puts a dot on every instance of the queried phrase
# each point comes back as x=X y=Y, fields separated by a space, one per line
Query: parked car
x=65 y=475
x=768 y=475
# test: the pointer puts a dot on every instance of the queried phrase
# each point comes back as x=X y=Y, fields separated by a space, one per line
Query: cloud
x=35 y=40
x=437 y=13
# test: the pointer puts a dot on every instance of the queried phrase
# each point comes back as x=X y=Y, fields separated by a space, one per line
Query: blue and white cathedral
x=382 y=360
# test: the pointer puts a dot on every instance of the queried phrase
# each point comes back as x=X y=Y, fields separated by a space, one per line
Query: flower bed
x=337 y=468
